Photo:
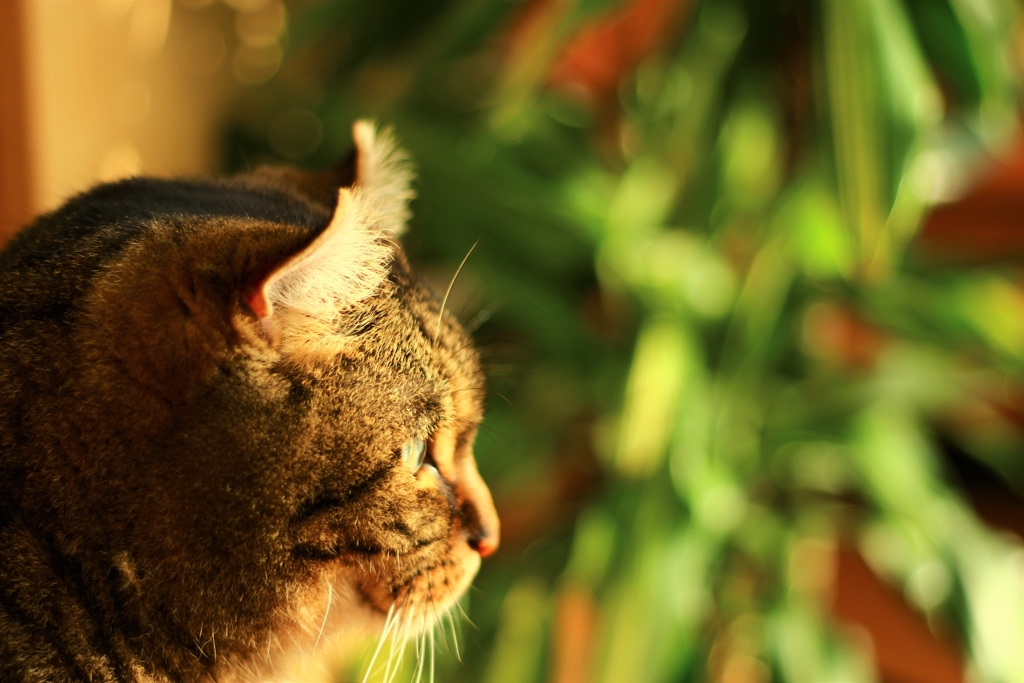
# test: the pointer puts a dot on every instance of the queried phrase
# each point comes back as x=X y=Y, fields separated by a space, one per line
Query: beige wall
x=15 y=157
x=123 y=87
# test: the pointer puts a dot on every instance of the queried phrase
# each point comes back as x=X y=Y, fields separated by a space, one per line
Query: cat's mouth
x=424 y=594
x=428 y=575
x=354 y=553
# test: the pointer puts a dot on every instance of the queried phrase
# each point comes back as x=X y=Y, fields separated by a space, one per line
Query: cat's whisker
x=388 y=623
x=391 y=653
x=433 y=606
x=495 y=339
x=465 y=617
x=467 y=345
x=440 y=313
x=521 y=370
x=468 y=303
x=399 y=649
x=475 y=388
x=423 y=649
x=398 y=639
x=416 y=646
x=483 y=316
x=430 y=635
x=421 y=654
x=487 y=429
x=397 y=652
x=402 y=646
x=505 y=399
x=455 y=637
x=330 y=599
x=390 y=662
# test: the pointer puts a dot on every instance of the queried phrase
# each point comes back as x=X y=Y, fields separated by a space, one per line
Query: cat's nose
x=478 y=510
x=485 y=545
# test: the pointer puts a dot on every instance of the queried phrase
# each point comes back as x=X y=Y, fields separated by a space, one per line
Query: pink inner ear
x=258 y=303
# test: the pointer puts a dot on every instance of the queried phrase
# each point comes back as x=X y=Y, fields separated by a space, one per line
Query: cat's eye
x=413 y=453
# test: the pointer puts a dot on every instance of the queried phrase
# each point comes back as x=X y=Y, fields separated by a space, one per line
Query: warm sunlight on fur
x=252 y=436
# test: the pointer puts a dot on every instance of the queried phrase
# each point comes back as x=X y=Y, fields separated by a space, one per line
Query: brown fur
x=180 y=499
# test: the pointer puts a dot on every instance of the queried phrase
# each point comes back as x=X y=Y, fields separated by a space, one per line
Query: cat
x=232 y=423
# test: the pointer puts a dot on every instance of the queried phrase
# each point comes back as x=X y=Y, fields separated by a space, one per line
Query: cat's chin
x=358 y=602
x=327 y=624
x=336 y=618
x=418 y=601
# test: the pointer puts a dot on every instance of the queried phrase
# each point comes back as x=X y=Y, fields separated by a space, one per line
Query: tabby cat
x=232 y=423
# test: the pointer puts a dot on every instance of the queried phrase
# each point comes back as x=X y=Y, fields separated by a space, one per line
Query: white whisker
x=421 y=654
x=397 y=650
x=388 y=623
x=433 y=647
x=394 y=655
x=462 y=610
x=455 y=638
x=451 y=284
x=402 y=645
x=437 y=617
x=330 y=599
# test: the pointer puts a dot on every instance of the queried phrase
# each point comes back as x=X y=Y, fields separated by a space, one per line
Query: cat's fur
x=205 y=388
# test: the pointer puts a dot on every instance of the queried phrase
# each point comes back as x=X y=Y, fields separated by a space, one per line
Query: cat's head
x=370 y=344
x=267 y=423
x=399 y=512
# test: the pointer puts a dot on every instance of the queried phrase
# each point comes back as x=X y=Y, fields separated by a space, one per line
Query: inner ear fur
x=349 y=260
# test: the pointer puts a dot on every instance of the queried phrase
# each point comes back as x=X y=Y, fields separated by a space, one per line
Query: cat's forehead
x=399 y=350
x=416 y=331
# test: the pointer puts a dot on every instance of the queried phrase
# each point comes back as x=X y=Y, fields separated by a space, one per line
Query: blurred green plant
x=695 y=287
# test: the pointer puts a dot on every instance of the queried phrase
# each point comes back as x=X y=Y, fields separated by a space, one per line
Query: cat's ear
x=349 y=260
x=384 y=173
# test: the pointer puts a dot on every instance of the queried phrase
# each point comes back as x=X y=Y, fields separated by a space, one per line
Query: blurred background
x=749 y=288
